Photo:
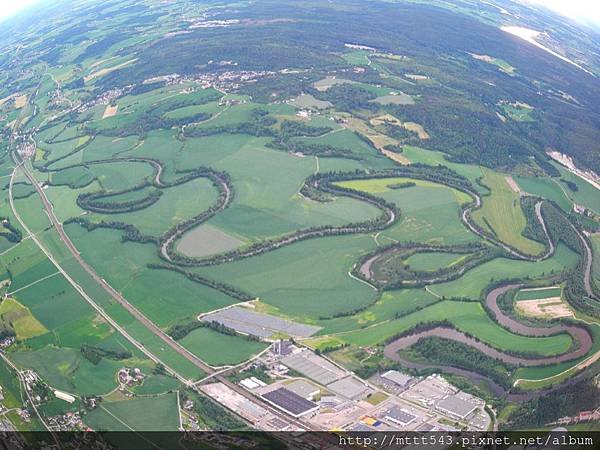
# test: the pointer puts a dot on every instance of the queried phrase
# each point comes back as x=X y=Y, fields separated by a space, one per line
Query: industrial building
x=459 y=406
x=304 y=389
x=290 y=402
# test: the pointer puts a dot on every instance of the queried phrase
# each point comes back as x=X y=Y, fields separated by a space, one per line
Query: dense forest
x=446 y=352
x=459 y=111
x=569 y=400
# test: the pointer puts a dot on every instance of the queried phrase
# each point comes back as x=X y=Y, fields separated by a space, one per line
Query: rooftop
x=348 y=387
x=303 y=388
x=457 y=406
x=396 y=377
x=290 y=402
x=399 y=416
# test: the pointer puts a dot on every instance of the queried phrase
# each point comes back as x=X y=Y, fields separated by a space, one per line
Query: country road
x=49 y=209
x=128 y=306
x=107 y=287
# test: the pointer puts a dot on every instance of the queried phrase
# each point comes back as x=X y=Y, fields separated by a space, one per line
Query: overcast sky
x=585 y=10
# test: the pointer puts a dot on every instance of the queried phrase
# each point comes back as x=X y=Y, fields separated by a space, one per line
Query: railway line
x=21 y=164
x=154 y=329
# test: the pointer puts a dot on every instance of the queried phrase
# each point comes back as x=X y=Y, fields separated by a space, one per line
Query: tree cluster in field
x=393 y=273
x=348 y=97
x=10 y=232
x=571 y=185
x=6 y=329
x=297 y=128
x=129 y=232
x=560 y=228
x=570 y=400
x=156 y=119
x=258 y=124
x=159 y=369
x=94 y=354
x=533 y=228
x=253 y=371
x=98 y=201
x=420 y=327
x=146 y=122
x=490 y=228
x=179 y=331
x=210 y=414
x=400 y=133
x=306 y=148
x=544 y=163
x=315 y=194
x=447 y=352
x=403 y=185
x=290 y=129
x=331 y=348
x=396 y=148
x=219 y=286
x=42 y=390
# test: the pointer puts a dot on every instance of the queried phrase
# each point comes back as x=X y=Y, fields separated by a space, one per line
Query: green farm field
x=433 y=158
x=157 y=384
x=25 y=325
x=433 y=261
x=535 y=294
x=177 y=204
x=160 y=413
x=220 y=349
x=390 y=305
x=474 y=281
x=324 y=288
x=66 y=369
x=429 y=212
x=268 y=201
x=469 y=317
x=203 y=155
x=547 y=188
x=586 y=194
x=164 y=296
x=502 y=211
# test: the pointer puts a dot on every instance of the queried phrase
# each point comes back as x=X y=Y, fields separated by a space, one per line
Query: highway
x=21 y=164
x=49 y=209
x=154 y=329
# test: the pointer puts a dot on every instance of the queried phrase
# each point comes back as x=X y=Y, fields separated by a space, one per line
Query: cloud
x=9 y=8
x=586 y=11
